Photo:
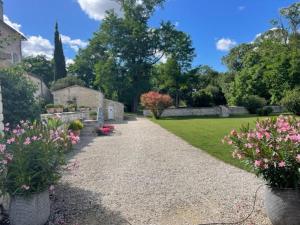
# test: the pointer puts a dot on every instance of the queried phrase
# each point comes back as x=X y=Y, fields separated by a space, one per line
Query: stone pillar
x=1 y=111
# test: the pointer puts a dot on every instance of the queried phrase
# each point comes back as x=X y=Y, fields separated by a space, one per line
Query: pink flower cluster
x=273 y=143
x=73 y=138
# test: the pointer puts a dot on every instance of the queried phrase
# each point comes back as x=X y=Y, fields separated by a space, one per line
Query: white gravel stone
x=144 y=175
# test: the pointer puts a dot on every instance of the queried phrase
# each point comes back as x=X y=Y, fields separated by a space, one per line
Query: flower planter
x=283 y=206
x=55 y=110
x=32 y=210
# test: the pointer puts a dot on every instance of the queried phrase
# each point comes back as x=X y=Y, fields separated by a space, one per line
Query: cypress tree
x=59 y=58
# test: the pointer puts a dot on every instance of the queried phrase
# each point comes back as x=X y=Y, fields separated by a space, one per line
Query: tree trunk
x=134 y=106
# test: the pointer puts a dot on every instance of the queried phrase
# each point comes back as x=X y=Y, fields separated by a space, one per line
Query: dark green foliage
x=40 y=66
x=201 y=98
x=18 y=97
x=59 y=57
x=66 y=82
x=253 y=103
x=292 y=101
x=269 y=66
x=121 y=55
x=202 y=87
x=265 y=111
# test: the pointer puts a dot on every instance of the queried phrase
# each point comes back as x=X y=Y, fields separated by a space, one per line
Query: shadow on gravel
x=75 y=206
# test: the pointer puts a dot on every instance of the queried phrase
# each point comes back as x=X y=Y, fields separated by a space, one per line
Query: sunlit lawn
x=207 y=133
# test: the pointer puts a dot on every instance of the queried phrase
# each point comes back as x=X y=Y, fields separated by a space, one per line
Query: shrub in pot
x=31 y=157
x=51 y=108
x=75 y=126
x=272 y=149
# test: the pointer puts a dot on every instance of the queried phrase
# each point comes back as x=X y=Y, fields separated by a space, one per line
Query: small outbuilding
x=90 y=98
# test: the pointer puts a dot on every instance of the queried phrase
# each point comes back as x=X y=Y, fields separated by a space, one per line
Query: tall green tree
x=39 y=66
x=168 y=78
x=270 y=66
x=59 y=57
x=133 y=48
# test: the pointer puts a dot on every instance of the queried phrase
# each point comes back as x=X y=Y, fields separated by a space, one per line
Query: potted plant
x=75 y=127
x=83 y=108
x=31 y=157
x=272 y=150
x=71 y=108
x=93 y=115
x=51 y=108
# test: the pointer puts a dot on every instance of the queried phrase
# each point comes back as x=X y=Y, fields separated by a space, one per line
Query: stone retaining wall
x=67 y=117
x=209 y=111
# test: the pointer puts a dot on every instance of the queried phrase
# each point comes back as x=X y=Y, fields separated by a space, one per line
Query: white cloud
x=225 y=44
x=37 y=45
x=14 y=25
x=69 y=62
x=96 y=9
x=241 y=8
x=75 y=44
x=176 y=23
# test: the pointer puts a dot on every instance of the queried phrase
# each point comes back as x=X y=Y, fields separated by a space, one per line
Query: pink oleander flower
x=11 y=140
x=34 y=138
x=2 y=148
x=281 y=164
x=259 y=135
x=257 y=150
x=298 y=158
x=233 y=133
x=27 y=141
x=6 y=129
x=248 y=145
x=258 y=163
x=9 y=157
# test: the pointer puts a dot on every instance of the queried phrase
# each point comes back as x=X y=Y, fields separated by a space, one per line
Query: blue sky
x=214 y=25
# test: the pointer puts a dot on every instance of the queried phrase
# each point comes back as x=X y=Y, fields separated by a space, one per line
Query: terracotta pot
x=58 y=110
x=50 y=110
x=283 y=206
x=32 y=210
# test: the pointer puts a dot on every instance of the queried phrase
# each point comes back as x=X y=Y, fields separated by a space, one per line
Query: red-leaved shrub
x=156 y=102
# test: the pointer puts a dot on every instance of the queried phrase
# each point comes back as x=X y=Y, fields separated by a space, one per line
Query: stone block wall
x=209 y=111
x=83 y=96
x=118 y=110
x=67 y=117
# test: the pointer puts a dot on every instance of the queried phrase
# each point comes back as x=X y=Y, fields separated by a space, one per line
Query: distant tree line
x=126 y=58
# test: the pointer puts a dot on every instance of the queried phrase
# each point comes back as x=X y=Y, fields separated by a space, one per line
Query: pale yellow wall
x=83 y=96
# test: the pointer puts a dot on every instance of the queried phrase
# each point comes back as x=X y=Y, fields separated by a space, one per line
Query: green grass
x=207 y=133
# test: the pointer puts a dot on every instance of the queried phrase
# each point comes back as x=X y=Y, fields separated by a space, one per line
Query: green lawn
x=207 y=133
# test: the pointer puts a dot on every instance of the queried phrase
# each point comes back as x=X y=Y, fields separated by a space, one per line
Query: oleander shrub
x=156 y=102
x=271 y=149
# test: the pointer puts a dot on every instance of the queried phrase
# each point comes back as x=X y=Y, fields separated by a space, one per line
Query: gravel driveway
x=144 y=175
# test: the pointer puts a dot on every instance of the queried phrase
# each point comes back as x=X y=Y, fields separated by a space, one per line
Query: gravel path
x=147 y=176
